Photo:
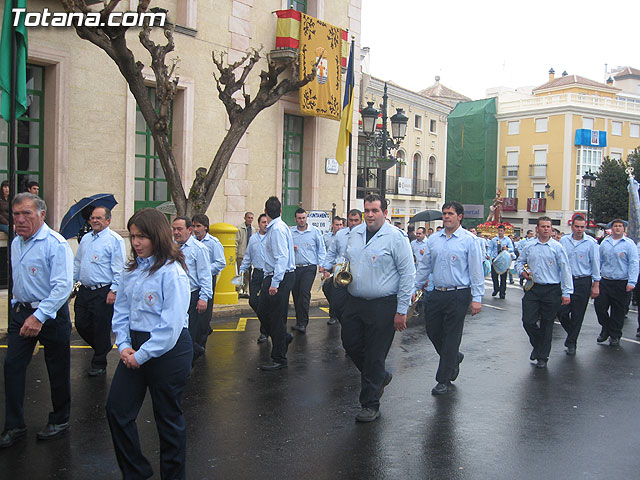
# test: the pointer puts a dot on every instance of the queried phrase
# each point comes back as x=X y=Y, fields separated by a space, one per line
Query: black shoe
x=532 y=357
x=440 y=389
x=502 y=296
x=332 y=321
x=262 y=338
x=367 y=415
x=614 y=342
x=299 y=328
x=387 y=380
x=602 y=337
x=243 y=295
x=51 y=431
x=269 y=367
x=456 y=371
x=638 y=333
x=289 y=338
x=11 y=436
x=541 y=363
x=96 y=372
x=494 y=293
x=571 y=349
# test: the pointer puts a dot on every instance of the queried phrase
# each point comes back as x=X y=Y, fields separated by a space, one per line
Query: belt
x=304 y=265
x=258 y=270
x=271 y=274
x=449 y=289
x=581 y=276
x=615 y=279
x=26 y=305
x=96 y=287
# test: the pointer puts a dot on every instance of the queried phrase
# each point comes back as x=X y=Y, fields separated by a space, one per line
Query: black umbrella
x=426 y=216
x=79 y=213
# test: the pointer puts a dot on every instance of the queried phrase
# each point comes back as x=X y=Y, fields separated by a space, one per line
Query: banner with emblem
x=321 y=44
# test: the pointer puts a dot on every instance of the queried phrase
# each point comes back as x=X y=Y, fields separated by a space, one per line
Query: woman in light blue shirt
x=150 y=322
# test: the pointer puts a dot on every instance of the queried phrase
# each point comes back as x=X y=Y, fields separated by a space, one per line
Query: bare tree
x=230 y=80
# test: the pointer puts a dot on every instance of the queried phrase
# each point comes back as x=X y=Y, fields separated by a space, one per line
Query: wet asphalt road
x=504 y=419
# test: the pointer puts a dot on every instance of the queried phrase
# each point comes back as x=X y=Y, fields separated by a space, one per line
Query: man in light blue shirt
x=196 y=256
x=498 y=245
x=309 y=253
x=254 y=257
x=454 y=259
x=98 y=267
x=42 y=267
x=619 y=270
x=379 y=295
x=548 y=265
x=328 y=237
x=584 y=259
x=333 y=261
x=419 y=244
x=279 y=275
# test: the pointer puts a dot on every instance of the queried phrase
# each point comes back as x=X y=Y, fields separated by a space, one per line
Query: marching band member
x=497 y=245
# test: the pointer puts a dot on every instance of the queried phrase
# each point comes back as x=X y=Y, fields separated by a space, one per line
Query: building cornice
x=562 y=109
x=376 y=86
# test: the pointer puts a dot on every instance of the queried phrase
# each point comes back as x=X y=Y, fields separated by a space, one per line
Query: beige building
x=82 y=134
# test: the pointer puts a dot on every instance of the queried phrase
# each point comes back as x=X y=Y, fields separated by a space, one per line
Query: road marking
x=242 y=324
x=493 y=306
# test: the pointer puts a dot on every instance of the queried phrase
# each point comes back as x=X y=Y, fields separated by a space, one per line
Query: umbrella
x=79 y=213
x=167 y=207
x=426 y=216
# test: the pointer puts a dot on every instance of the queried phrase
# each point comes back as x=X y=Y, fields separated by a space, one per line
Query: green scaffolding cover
x=472 y=138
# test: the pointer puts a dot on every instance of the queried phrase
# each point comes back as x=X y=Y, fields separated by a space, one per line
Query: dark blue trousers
x=165 y=377
x=55 y=338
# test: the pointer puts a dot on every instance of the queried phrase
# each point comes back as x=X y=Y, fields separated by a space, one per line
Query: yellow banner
x=320 y=43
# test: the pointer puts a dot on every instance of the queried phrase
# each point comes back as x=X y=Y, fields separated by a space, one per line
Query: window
x=538 y=190
x=432 y=126
x=401 y=160
x=616 y=128
x=367 y=170
x=432 y=171
x=616 y=155
x=512 y=191
x=29 y=135
x=292 y=164
x=539 y=163
x=417 y=122
x=512 y=164
x=589 y=159
x=300 y=5
x=587 y=123
x=514 y=127
x=541 y=124
x=634 y=130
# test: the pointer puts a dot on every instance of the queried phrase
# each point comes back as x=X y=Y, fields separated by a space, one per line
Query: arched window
x=432 y=171
x=417 y=160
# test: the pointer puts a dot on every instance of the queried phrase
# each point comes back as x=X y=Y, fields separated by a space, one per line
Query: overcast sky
x=475 y=45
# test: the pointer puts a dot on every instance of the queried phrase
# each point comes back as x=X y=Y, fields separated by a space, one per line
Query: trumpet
x=343 y=276
x=414 y=304
x=528 y=283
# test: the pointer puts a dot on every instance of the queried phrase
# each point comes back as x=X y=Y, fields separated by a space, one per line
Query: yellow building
x=549 y=137
x=83 y=134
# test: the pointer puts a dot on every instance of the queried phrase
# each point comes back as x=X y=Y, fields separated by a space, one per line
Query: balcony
x=510 y=171
x=536 y=205
x=419 y=187
x=567 y=100
x=510 y=204
x=538 y=170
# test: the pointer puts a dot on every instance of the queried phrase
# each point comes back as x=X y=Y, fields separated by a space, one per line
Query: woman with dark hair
x=151 y=326
x=4 y=207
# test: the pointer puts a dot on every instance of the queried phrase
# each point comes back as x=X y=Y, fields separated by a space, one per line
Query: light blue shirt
x=548 y=263
x=504 y=241
x=100 y=259
x=254 y=255
x=42 y=271
x=382 y=267
x=309 y=246
x=216 y=253
x=278 y=251
x=584 y=256
x=196 y=256
x=619 y=260
x=416 y=246
x=156 y=303
x=328 y=238
x=455 y=261
x=337 y=249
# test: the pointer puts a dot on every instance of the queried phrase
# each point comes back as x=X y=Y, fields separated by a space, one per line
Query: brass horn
x=414 y=304
x=343 y=276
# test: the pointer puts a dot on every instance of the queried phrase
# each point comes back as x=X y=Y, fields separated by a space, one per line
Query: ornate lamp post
x=589 y=180
x=382 y=140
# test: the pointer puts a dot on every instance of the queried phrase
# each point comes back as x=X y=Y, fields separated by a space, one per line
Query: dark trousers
x=55 y=338
x=540 y=306
x=93 y=322
x=302 y=293
x=165 y=377
x=367 y=334
x=572 y=315
x=337 y=298
x=499 y=282
x=273 y=311
x=444 y=320
x=613 y=294
x=254 y=293
x=199 y=324
x=636 y=296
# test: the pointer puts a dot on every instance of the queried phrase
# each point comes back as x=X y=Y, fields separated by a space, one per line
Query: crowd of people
x=158 y=301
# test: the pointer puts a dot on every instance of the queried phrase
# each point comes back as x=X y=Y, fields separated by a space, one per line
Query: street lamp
x=382 y=140
x=589 y=181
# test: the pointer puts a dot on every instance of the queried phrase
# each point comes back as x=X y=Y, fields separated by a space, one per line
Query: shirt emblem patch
x=150 y=298
x=621 y=254
x=454 y=257
x=95 y=257
x=551 y=263
x=33 y=270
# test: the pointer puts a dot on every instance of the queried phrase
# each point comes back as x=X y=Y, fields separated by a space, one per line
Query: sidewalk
x=220 y=312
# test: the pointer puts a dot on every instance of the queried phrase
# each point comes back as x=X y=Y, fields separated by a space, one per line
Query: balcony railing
x=569 y=99
x=538 y=170
x=509 y=171
x=536 y=205
x=410 y=186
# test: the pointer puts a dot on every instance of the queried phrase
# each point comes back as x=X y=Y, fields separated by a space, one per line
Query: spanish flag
x=344 y=139
x=288 y=29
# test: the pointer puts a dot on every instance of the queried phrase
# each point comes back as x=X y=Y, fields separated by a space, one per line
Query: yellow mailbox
x=226 y=293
